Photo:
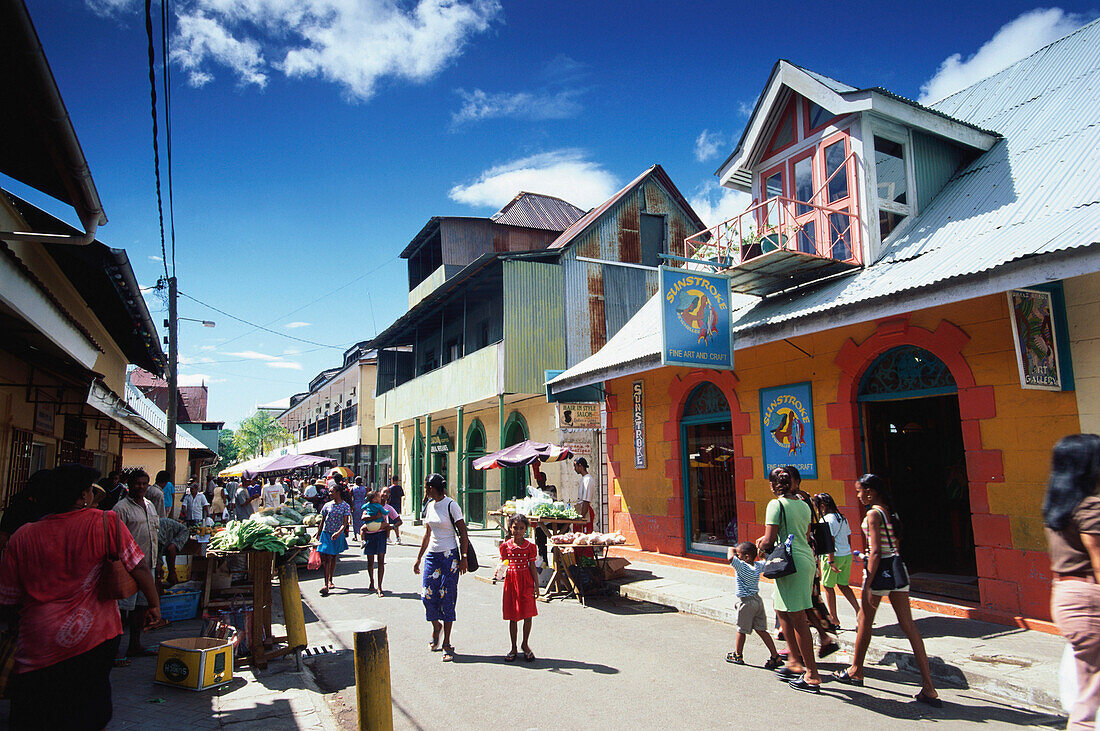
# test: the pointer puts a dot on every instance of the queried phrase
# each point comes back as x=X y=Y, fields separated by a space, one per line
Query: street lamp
x=205 y=323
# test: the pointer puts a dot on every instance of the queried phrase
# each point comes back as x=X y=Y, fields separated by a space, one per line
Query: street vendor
x=172 y=536
x=583 y=505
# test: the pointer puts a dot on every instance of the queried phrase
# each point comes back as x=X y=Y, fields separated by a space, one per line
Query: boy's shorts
x=750 y=614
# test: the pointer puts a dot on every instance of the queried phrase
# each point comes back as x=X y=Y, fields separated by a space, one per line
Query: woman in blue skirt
x=446 y=542
x=331 y=532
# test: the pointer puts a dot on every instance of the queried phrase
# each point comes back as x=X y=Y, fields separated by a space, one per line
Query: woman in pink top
x=68 y=634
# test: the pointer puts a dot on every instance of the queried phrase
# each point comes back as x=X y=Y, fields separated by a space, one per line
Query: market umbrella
x=342 y=471
x=522 y=454
x=236 y=470
x=286 y=463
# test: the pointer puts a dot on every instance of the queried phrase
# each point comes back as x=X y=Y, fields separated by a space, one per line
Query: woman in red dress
x=521 y=584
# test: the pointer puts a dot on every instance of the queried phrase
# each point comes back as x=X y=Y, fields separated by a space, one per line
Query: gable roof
x=839 y=98
x=535 y=210
x=1026 y=211
x=589 y=219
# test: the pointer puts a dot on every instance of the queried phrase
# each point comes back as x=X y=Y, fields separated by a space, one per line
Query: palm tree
x=258 y=434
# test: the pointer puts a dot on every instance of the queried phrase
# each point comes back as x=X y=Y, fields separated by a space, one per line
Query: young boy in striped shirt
x=751 y=616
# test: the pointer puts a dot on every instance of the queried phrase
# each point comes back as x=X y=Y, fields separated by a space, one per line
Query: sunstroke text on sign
x=695 y=319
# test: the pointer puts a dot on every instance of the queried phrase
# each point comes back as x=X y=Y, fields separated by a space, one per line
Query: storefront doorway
x=475 y=479
x=913 y=438
x=710 y=497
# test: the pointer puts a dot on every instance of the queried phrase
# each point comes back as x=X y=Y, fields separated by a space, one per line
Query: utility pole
x=173 y=397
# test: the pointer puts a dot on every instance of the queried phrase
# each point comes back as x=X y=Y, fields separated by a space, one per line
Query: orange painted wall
x=1008 y=434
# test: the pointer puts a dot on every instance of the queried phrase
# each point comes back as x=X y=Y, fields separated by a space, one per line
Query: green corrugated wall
x=534 y=324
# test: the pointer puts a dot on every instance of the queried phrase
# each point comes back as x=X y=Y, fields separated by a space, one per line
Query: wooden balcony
x=777 y=244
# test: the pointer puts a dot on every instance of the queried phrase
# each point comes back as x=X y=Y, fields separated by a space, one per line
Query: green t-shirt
x=793 y=517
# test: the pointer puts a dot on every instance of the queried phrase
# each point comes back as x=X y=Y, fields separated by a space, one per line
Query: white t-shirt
x=841 y=532
x=585 y=492
x=193 y=505
x=437 y=516
x=310 y=491
x=273 y=496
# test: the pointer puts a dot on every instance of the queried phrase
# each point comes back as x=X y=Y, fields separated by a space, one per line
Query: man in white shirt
x=194 y=505
x=583 y=506
x=273 y=494
x=140 y=518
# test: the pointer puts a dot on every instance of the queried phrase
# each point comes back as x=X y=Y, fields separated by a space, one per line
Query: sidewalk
x=1015 y=665
x=280 y=697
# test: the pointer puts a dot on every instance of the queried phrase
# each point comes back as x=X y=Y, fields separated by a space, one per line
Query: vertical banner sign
x=1035 y=336
x=695 y=319
x=787 y=427
x=639 y=425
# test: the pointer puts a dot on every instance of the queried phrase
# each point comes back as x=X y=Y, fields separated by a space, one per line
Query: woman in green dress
x=788 y=515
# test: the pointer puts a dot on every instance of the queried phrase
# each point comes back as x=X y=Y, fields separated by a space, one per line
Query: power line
x=153 y=112
x=258 y=327
x=314 y=301
x=168 y=123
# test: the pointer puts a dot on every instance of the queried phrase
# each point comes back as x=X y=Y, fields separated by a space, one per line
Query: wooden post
x=372 y=678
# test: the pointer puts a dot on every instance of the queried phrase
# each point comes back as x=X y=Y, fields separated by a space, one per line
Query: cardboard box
x=195 y=663
x=614 y=568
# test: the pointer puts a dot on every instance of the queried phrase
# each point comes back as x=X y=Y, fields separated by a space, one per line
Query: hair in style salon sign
x=695 y=319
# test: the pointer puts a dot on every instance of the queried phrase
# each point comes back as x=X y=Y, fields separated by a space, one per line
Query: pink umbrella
x=522 y=454
x=286 y=463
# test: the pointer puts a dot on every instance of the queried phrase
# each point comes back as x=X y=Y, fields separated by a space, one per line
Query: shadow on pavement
x=540 y=663
x=950 y=627
x=902 y=706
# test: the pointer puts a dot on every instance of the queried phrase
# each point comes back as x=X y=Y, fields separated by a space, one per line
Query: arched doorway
x=475 y=479
x=913 y=437
x=707 y=455
x=513 y=481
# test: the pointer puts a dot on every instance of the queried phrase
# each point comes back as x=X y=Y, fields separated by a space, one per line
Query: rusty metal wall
x=534 y=325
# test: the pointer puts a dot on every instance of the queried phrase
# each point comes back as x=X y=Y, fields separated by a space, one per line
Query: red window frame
x=807 y=130
x=791 y=110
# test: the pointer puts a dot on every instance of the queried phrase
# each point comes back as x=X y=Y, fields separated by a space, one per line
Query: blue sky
x=312 y=139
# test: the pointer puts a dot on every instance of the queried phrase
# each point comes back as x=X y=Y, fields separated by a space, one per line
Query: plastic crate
x=176 y=607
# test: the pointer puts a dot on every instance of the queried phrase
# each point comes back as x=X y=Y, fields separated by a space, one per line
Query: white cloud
x=253 y=355
x=292 y=351
x=193 y=379
x=716 y=204
x=294 y=325
x=708 y=144
x=478 y=105
x=566 y=174
x=155 y=258
x=185 y=360
x=201 y=38
x=355 y=44
x=285 y=364
x=1015 y=40
x=745 y=109
x=208 y=347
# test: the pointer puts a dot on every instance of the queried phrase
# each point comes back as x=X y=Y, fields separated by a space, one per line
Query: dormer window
x=816 y=117
x=892 y=184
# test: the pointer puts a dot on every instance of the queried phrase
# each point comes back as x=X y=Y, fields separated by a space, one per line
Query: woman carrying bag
x=788 y=519
x=1072 y=514
x=447 y=545
x=886 y=575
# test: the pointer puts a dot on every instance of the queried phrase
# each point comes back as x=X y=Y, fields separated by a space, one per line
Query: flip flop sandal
x=827 y=650
x=805 y=687
x=842 y=676
x=786 y=673
x=529 y=656
x=448 y=653
x=510 y=657
x=735 y=657
x=935 y=702
x=324 y=592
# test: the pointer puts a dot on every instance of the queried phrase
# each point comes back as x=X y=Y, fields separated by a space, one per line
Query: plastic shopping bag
x=314 y=560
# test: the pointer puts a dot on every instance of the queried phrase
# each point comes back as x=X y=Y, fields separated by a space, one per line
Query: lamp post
x=172 y=323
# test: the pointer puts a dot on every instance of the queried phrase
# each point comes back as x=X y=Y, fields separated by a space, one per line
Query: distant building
x=190 y=406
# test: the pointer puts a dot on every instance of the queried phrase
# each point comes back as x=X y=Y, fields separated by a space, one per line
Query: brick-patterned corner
x=983 y=466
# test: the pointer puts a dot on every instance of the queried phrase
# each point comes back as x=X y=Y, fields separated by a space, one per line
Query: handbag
x=779 y=561
x=115 y=582
x=891 y=573
x=471 y=557
x=821 y=535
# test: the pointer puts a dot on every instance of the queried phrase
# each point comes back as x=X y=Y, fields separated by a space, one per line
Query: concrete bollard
x=372 y=678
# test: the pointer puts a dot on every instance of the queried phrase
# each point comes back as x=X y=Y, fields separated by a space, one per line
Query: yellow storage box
x=195 y=663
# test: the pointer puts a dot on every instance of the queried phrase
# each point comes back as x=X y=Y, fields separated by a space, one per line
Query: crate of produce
x=180 y=606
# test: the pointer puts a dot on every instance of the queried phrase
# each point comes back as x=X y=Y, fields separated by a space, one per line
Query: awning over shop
x=236 y=470
x=108 y=402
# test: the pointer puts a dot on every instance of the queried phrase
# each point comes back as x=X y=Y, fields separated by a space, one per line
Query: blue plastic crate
x=176 y=607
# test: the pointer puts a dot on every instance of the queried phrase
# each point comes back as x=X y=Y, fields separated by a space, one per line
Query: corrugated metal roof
x=534 y=210
x=1035 y=192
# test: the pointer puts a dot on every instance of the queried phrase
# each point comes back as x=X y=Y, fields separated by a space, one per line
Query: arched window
x=475 y=479
x=905 y=372
x=710 y=496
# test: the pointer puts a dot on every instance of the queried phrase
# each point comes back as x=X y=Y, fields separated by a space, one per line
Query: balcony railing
x=779 y=224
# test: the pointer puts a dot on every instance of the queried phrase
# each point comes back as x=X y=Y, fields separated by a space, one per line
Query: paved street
x=614 y=664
